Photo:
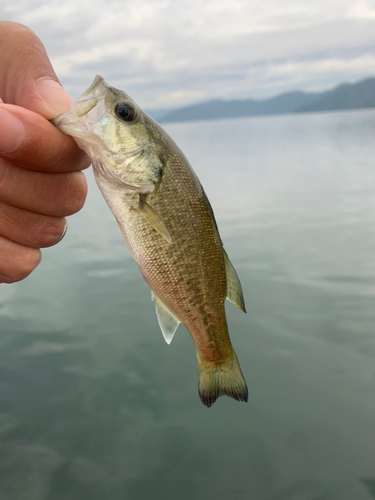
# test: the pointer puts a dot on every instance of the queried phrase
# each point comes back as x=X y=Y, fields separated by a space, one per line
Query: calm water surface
x=94 y=405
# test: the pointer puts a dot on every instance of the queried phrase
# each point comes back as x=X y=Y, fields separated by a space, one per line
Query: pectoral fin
x=234 y=289
x=118 y=180
x=154 y=219
x=167 y=322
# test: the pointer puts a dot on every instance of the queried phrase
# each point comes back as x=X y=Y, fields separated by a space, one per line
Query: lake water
x=95 y=405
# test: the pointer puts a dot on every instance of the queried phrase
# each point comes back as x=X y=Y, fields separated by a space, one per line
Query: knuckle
x=25 y=266
x=17 y=28
x=77 y=193
x=24 y=37
x=3 y=172
x=67 y=155
x=50 y=232
x=14 y=29
x=61 y=152
x=28 y=264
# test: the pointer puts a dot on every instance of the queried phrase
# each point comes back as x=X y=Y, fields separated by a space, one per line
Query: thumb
x=27 y=78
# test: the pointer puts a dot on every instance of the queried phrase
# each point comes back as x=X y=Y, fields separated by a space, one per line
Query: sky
x=173 y=53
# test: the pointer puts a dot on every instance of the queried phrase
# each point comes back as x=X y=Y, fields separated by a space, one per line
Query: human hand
x=40 y=178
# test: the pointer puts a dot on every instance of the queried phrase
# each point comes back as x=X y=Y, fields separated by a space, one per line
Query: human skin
x=40 y=168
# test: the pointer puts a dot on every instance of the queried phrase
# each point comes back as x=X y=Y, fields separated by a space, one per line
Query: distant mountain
x=157 y=114
x=346 y=96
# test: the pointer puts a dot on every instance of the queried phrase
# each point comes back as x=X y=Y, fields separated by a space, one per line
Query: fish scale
x=168 y=225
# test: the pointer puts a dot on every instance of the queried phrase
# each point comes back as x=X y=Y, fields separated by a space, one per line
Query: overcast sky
x=170 y=53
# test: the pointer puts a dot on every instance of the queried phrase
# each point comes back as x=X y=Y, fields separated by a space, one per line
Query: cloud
x=179 y=96
x=174 y=53
x=362 y=11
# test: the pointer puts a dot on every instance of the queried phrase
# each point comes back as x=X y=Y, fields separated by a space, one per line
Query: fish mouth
x=79 y=122
x=98 y=87
x=89 y=99
x=76 y=121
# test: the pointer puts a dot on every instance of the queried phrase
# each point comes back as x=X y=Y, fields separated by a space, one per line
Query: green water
x=94 y=405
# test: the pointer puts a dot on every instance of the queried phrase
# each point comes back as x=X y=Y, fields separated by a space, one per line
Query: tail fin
x=219 y=379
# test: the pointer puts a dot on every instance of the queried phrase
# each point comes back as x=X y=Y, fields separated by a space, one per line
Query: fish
x=168 y=225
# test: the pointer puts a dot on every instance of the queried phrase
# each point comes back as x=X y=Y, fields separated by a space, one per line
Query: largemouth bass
x=168 y=225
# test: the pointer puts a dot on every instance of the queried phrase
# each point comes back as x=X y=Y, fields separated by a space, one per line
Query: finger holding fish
x=37 y=145
x=39 y=187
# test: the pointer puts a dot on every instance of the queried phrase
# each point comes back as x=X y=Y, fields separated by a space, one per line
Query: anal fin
x=154 y=219
x=234 y=288
x=167 y=321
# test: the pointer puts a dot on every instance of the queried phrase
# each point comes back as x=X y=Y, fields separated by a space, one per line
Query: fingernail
x=12 y=132
x=55 y=98
x=63 y=233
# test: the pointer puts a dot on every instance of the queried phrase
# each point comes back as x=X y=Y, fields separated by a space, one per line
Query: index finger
x=37 y=144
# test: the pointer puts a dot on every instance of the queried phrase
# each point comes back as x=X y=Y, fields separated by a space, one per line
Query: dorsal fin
x=167 y=322
x=234 y=288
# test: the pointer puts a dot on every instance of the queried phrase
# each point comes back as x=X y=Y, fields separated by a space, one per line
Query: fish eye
x=125 y=112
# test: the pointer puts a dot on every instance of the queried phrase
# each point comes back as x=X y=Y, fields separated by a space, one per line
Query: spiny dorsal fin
x=154 y=219
x=234 y=289
x=167 y=322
